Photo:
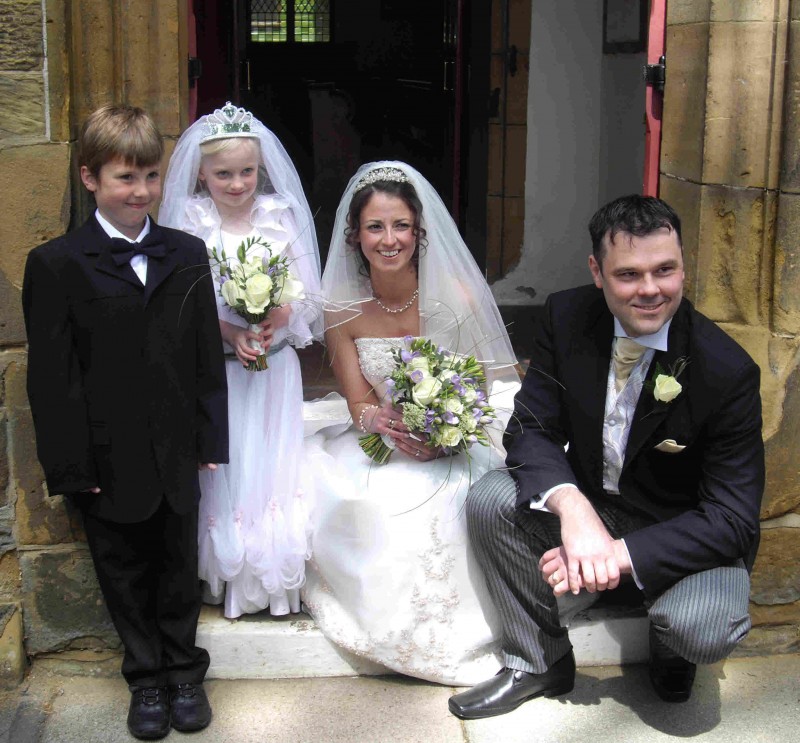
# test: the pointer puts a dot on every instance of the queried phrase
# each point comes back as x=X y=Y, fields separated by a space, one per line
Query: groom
x=634 y=453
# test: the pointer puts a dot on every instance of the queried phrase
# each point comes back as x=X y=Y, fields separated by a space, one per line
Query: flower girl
x=231 y=183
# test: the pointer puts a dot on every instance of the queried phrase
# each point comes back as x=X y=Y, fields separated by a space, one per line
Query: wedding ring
x=391 y=423
x=416 y=453
x=554 y=579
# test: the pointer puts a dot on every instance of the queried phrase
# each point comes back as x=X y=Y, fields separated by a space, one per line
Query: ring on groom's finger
x=391 y=423
x=416 y=453
x=554 y=579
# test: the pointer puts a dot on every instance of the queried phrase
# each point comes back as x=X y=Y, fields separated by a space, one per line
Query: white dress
x=254 y=512
x=393 y=578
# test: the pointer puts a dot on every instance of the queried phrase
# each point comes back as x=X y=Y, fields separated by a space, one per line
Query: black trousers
x=148 y=575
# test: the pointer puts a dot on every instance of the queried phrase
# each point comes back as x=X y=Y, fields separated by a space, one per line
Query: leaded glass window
x=301 y=21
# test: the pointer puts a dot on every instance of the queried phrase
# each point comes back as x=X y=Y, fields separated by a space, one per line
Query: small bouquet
x=440 y=394
x=254 y=285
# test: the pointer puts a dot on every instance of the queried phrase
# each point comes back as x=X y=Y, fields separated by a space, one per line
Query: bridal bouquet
x=255 y=285
x=440 y=394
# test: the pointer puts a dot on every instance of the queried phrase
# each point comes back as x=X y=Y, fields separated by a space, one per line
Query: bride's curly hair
x=404 y=191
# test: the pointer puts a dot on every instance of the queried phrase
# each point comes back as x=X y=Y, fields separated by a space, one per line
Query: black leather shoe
x=672 y=676
x=510 y=688
x=148 y=715
x=189 y=707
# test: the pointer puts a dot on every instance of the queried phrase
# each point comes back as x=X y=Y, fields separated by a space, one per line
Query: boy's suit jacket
x=704 y=499
x=126 y=382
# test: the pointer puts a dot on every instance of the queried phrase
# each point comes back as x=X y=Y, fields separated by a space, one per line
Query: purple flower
x=480 y=395
x=472 y=438
x=223 y=279
x=460 y=390
x=477 y=413
x=416 y=376
x=408 y=339
x=389 y=382
x=450 y=418
x=406 y=356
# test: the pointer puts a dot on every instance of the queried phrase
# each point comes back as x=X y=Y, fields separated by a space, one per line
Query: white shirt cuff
x=633 y=569
x=540 y=505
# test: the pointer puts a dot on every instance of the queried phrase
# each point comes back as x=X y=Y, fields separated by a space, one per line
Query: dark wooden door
x=343 y=82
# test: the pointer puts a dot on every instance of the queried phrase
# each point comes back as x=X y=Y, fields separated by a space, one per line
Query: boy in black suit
x=127 y=388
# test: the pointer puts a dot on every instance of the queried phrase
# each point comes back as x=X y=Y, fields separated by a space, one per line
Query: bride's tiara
x=228 y=121
x=394 y=175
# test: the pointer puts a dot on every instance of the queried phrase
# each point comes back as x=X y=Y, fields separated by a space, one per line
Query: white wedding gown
x=392 y=577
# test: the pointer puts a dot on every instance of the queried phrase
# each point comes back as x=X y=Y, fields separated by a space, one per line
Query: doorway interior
x=343 y=82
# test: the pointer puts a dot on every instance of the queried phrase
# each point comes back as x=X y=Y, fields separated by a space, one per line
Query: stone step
x=260 y=646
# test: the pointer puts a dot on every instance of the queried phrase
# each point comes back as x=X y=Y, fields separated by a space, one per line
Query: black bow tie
x=122 y=250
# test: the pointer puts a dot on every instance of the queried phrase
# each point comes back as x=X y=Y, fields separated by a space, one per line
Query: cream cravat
x=626 y=353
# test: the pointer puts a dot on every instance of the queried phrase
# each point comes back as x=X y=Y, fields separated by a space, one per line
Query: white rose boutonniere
x=666 y=386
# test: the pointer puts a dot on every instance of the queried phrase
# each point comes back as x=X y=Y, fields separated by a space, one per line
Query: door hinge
x=195 y=70
x=656 y=74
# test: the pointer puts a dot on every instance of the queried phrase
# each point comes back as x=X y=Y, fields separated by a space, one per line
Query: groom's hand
x=589 y=550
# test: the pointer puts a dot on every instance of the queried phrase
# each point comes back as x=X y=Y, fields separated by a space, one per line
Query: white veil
x=457 y=309
x=184 y=208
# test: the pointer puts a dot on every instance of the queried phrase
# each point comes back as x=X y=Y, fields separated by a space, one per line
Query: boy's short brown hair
x=120 y=131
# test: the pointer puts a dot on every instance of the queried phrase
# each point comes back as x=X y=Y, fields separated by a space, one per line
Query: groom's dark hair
x=637 y=215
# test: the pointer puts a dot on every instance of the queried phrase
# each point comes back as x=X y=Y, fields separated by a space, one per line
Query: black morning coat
x=126 y=382
x=704 y=501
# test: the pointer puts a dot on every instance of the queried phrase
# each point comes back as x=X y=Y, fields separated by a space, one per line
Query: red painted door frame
x=654 y=99
x=192 y=31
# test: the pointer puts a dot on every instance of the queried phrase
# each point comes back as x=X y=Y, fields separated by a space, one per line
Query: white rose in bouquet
x=450 y=436
x=453 y=405
x=447 y=374
x=425 y=392
x=253 y=266
x=231 y=293
x=419 y=363
x=290 y=290
x=257 y=291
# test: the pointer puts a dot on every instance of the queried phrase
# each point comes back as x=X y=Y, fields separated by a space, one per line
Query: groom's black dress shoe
x=148 y=715
x=510 y=688
x=672 y=676
x=189 y=707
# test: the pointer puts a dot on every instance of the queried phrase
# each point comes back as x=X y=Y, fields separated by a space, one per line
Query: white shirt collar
x=112 y=231
x=657 y=340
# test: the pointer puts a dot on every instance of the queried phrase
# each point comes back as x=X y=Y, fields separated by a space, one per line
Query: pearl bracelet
x=361 y=417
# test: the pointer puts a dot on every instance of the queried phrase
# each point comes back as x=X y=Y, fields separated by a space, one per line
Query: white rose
x=453 y=405
x=419 y=362
x=256 y=292
x=450 y=436
x=468 y=423
x=253 y=266
x=290 y=290
x=667 y=388
x=470 y=396
x=447 y=374
x=231 y=293
x=425 y=392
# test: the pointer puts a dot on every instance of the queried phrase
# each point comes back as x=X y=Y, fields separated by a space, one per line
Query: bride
x=393 y=578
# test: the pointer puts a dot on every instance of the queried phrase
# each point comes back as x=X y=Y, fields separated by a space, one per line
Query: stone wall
x=730 y=167
x=96 y=53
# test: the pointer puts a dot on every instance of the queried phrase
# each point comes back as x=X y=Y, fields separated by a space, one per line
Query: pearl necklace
x=399 y=309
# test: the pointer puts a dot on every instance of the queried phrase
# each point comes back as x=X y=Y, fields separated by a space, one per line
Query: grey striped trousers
x=701 y=618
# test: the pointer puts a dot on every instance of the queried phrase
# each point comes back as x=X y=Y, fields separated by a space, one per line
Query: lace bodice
x=376 y=360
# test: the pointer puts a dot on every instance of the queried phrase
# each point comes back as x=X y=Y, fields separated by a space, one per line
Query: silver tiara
x=228 y=121
x=395 y=175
